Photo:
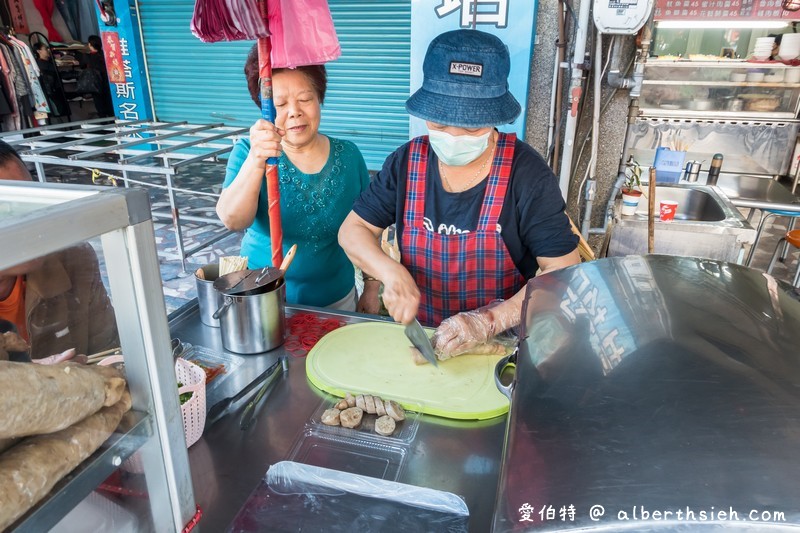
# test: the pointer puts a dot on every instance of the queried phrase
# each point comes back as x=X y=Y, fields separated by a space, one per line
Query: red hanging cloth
x=45 y=8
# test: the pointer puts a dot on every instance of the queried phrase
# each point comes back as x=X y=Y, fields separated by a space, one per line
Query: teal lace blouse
x=313 y=206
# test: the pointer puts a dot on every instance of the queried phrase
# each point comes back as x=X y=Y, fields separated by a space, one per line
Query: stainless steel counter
x=757 y=192
x=228 y=463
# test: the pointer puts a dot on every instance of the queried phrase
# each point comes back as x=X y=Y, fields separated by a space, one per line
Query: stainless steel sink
x=693 y=204
x=706 y=225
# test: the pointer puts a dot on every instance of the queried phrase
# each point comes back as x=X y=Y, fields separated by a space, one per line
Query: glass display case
x=720 y=89
x=80 y=231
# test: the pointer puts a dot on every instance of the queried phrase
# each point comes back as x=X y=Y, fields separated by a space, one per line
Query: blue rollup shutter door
x=367 y=86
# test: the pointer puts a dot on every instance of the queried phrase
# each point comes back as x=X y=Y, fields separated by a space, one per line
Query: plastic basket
x=193 y=411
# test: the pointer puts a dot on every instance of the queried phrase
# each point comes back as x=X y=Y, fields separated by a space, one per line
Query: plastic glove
x=475 y=332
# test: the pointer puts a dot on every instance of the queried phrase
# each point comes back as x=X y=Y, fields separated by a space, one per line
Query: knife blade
x=421 y=341
x=219 y=408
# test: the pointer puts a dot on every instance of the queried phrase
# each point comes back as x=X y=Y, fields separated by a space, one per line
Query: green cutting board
x=375 y=358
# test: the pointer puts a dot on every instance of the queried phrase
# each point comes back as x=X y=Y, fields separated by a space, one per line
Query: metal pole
x=591 y=185
x=651 y=212
x=575 y=95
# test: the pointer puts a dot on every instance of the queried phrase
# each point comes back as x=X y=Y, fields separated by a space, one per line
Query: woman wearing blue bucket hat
x=476 y=216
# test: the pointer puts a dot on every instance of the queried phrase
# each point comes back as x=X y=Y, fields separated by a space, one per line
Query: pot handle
x=502 y=364
x=221 y=311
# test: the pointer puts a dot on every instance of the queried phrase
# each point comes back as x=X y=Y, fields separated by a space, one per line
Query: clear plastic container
x=206 y=358
x=404 y=433
x=365 y=457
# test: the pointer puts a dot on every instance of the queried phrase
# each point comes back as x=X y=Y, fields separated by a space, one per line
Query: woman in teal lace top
x=319 y=177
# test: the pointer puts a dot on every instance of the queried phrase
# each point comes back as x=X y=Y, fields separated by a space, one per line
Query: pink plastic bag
x=227 y=20
x=302 y=33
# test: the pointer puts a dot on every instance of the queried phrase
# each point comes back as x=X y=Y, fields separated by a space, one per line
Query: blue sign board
x=513 y=21
x=132 y=97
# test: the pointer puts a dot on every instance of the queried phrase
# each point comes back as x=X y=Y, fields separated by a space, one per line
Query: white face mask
x=457 y=150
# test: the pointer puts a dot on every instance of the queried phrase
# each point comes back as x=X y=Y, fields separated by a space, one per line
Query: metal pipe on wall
x=553 y=149
x=591 y=185
x=634 y=84
x=552 y=112
x=575 y=95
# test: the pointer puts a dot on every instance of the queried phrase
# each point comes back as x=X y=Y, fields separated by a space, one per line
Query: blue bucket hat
x=465 y=82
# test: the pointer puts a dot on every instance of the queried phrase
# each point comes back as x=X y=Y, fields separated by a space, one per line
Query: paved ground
x=179 y=285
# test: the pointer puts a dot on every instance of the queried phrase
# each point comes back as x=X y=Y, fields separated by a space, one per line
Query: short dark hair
x=316 y=74
x=95 y=41
x=7 y=153
x=38 y=46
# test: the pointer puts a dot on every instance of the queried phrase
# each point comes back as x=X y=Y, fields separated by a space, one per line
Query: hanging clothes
x=38 y=99
x=87 y=19
x=18 y=82
x=45 y=8
x=6 y=109
x=69 y=12
x=21 y=85
x=12 y=121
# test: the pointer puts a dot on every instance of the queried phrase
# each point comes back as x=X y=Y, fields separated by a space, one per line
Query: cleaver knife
x=421 y=342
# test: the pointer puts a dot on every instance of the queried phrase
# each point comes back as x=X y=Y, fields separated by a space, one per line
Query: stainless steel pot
x=208 y=298
x=253 y=323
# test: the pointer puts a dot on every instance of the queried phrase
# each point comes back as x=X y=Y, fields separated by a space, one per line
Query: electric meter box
x=621 y=17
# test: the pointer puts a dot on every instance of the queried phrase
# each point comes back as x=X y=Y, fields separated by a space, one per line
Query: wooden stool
x=792 y=237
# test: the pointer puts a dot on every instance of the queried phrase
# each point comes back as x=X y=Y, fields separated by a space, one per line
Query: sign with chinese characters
x=513 y=21
x=113 y=56
x=19 y=22
x=124 y=56
x=722 y=9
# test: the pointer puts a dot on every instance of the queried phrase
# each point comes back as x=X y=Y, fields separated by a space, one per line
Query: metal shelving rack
x=156 y=150
x=753 y=142
x=37 y=219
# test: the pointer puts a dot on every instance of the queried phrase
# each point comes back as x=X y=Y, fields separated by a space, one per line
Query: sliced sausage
x=385 y=425
x=380 y=410
x=351 y=417
x=331 y=417
x=394 y=410
x=360 y=402
x=369 y=403
x=350 y=399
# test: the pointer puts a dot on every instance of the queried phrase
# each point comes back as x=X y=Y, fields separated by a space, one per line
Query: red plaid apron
x=458 y=273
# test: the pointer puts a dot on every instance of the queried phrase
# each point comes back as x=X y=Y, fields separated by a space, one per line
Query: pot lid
x=242 y=281
x=254 y=279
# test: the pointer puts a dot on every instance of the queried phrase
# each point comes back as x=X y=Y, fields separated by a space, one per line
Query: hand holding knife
x=421 y=341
